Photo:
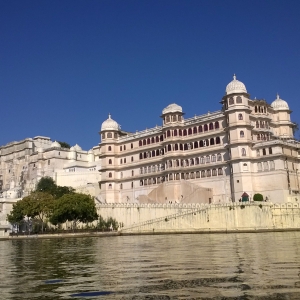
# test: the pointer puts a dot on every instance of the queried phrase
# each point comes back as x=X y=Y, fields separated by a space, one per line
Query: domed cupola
x=110 y=124
x=172 y=108
x=76 y=148
x=55 y=144
x=235 y=86
x=279 y=104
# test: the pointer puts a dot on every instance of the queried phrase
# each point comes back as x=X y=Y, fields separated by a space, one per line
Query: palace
x=246 y=147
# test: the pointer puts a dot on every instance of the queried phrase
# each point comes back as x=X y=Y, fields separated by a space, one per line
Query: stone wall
x=139 y=218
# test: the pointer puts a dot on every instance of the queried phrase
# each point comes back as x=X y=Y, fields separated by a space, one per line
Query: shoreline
x=120 y=233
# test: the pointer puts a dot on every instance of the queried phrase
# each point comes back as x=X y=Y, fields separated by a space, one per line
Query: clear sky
x=64 y=65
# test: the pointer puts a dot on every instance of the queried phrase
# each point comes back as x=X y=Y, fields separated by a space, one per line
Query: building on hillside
x=24 y=163
x=246 y=147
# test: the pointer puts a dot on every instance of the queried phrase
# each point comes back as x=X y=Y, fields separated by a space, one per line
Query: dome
x=279 y=104
x=235 y=86
x=172 y=108
x=76 y=148
x=90 y=151
x=110 y=124
x=55 y=144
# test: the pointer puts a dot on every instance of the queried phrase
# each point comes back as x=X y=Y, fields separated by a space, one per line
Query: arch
x=181 y=147
x=231 y=101
x=161 y=138
x=174 y=118
x=264 y=151
x=192 y=175
x=177 y=163
x=175 y=132
x=141 y=155
x=242 y=134
x=152 y=140
x=157 y=139
x=110 y=175
x=200 y=129
x=243 y=152
x=202 y=160
x=213 y=158
x=218 y=140
x=270 y=150
x=206 y=142
x=157 y=152
x=211 y=126
x=168 y=133
x=180 y=132
x=185 y=146
x=240 y=117
x=201 y=144
x=195 y=130
x=121 y=161
x=145 y=154
x=184 y=132
x=219 y=157
x=214 y=172
x=212 y=141
x=109 y=148
x=245 y=167
x=191 y=162
x=217 y=125
x=208 y=173
x=190 y=131
x=196 y=145
x=205 y=127
x=220 y=171
x=197 y=174
x=169 y=148
x=197 y=161
x=140 y=143
x=153 y=153
x=257 y=124
x=177 y=176
x=109 y=186
x=144 y=142
x=109 y=135
x=110 y=162
x=203 y=174
x=148 y=141
x=207 y=159
x=176 y=147
x=239 y=99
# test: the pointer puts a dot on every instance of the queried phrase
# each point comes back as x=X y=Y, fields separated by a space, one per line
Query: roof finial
x=109 y=115
x=278 y=96
x=234 y=77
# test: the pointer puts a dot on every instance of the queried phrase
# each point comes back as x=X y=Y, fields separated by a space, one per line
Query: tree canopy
x=64 y=145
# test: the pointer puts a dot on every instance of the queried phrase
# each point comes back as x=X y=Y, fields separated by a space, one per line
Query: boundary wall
x=226 y=217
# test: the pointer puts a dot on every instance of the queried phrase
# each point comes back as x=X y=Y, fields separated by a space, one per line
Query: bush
x=258 y=197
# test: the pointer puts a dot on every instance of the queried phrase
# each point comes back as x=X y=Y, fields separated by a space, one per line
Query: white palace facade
x=248 y=146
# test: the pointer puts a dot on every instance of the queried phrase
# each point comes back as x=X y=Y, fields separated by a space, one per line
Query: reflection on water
x=194 y=266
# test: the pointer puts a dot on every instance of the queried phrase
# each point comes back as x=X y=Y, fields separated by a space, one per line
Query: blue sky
x=64 y=65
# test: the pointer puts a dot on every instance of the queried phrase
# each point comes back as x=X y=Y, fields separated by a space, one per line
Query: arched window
x=258 y=137
x=257 y=124
x=141 y=183
x=212 y=141
x=185 y=146
x=124 y=147
x=264 y=151
x=131 y=146
x=218 y=140
x=245 y=167
x=152 y=140
x=220 y=171
x=132 y=173
x=190 y=131
x=110 y=162
x=208 y=173
x=109 y=148
x=202 y=160
x=157 y=152
x=184 y=132
x=110 y=186
x=121 y=186
x=200 y=128
x=195 y=130
x=217 y=125
x=153 y=153
x=191 y=162
x=201 y=144
x=181 y=147
x=270 y=150
x=140 y=143
x=180 y=132
x=124 y=160
x=121 y=161
x=109 y=135
x=169 y=148
x=272 y=165
x=168 y=133
x=207 y=159
x=211 y=126
x=202 y=174
x=141 y=155
x=242 y=134
x=205 y=127
x=174 y=118
x=131 y=158
x=141 y=171
x=214 y=172
x=207 y=143
x=196 y=145
x=266 y=166
x=197 y=174
x=240 y=116
x=144 y=142
x=153 y=168
x=259 y=167
x=243 y=152
x=177 y=176
x=110 y=175
x=176 y=147
x=231 y=101
x=148 y=141
x=161 y=138
x=177 y=163
x=192 y=175
x=197 y=161
x=219 y=157
x=213 y=158
x=239 y=99
x=167 y=119
x=175 y=132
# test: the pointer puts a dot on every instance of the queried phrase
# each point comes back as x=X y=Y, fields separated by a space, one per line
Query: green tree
x=258 y=197
x=75 y=207
x=16 y=216
x=38 y=205
x=64 y=145
x=46 y=184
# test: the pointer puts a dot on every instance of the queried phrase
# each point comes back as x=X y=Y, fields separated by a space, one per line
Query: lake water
x=189 y=266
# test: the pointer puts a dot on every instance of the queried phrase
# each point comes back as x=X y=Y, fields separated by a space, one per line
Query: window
x=240 y=117
x=257 y=153
x=140 y=143
x=264 y=151
x=202 y=160
x=144 y=142
x=110 y=186
x=242 y=134
x=124 y=160
x=195 y=130
x=205 y=127
x=220 y=171
x=211 y=126
x=109 y=135
x=245 y=167
x=131 y=158
x=200 y=128
x=272 y=165
x=103 y=135
x=131 y=184
x=231 y=101
x=217 y=125
x=109 y=148
x=243 y=152
x=131 y=146
x=218 y=140
x=132 y=173
x=208 y=173
x=259 y=167
x=121 y=186
x=207 y=159
x=110 y=162
x=266 y=166
x=110 y=175
x=270 y=150
x=212 y=141
x=168 y=133
x=219 y=157
x=184 y=132
x=121 y=161
x=190 y=131
x=202 y=174
x=213 y=158
x=238 y=99
x=214 y=172
x=121 y=148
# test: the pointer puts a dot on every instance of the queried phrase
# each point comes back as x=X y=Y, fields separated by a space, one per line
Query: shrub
x=243 y=206
x=258 y=197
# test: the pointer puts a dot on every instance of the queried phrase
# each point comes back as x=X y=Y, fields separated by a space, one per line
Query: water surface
x=189 y=266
